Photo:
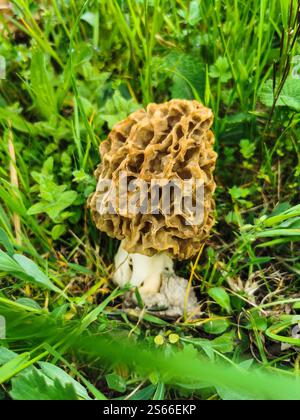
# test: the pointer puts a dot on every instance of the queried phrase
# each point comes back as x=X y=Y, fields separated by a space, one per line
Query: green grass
x=75 y=68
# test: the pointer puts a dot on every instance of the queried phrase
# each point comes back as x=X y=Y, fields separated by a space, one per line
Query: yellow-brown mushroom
x=171 y=143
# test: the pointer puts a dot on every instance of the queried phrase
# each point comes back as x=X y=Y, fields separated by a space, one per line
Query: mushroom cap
x=169 y=141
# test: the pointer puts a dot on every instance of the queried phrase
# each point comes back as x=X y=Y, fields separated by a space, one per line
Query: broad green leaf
x=221 y=297
x=188 y=74
x=117 y=108
x=55 y=373
x=257 y=321
x=289 y=97
x=55 y=208
x=38 y=208
x=247 y=148
x=194 y=13
x=221 y=70
x=216 y=326
x=116 y=382
x=238 y=192
x=223 y=344
x=35 y=386
x=58 y=231
x=89 y=17
x=8 y=264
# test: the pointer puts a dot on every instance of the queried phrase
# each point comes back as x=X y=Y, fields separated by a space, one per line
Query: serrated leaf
x=53 y=209
x=247 y=148
x=221 y=70
x=35 y=386
x=238 y=192
x=55 y=373
x=117 y=108
x=223 y=344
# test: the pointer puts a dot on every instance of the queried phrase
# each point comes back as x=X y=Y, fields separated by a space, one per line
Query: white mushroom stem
x=141 y=271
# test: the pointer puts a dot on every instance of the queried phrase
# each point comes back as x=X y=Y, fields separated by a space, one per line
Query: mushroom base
x=169 y=301
x=162 y=292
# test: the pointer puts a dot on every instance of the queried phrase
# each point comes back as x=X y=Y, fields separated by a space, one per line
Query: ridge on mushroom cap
x=169 y=141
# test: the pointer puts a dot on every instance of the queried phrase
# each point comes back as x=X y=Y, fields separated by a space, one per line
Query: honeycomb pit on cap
x=170 y=141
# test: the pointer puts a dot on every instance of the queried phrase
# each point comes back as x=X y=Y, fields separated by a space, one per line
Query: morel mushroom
x=168 y=145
